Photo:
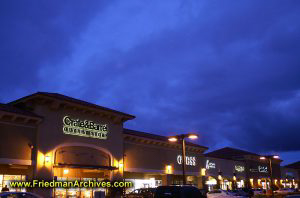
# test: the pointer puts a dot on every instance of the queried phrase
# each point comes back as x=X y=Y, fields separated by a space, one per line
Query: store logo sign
x=239 y=168
x=84 y=128
x=190 y=161
x=210 y=165
x=262 y=169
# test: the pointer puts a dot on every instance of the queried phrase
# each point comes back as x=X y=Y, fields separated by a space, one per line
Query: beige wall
x=50 y=137
x=50 y=133
x=15 y=140
x=227 y=167
x=151 y=157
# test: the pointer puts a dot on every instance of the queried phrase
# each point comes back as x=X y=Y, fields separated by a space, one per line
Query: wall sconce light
x=30 y=146
x=203 y=171
x=251 y=181
x=47 y=159
x=168 y=169
x=220 y=175
x=121 y=166
x=66 y=171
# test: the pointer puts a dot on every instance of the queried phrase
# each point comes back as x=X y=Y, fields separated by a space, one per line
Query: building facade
x=257 y=172
x=50 y=136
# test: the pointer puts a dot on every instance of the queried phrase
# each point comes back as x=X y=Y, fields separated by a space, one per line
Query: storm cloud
x=227 y=70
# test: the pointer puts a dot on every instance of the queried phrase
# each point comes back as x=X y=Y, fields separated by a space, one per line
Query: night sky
x=229 y=70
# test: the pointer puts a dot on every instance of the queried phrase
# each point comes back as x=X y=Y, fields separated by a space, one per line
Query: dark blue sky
x=229 y=70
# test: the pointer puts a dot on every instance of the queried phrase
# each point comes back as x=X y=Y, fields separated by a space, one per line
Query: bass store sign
x=85 y=128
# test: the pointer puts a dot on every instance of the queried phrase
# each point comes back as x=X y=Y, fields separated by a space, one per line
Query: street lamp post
x=182 y=138
x=269 y=158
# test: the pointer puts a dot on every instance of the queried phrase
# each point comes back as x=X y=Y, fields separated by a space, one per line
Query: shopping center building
x=51 y=136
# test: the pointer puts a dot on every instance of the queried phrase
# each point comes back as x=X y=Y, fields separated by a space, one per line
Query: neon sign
x=84 y=128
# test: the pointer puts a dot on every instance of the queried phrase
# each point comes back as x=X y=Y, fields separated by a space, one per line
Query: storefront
x=55 y=137
x=289 y=177
x=60 y=138
x=223 y=174
x=151 y=161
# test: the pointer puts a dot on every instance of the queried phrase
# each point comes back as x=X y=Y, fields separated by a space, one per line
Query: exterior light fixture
x=168 y=169
x=121 y=166
x=172 y=139
x=66 y=171
x=203 y=171
x=47 y=159
x=193 y=136
x=182 y=137
x=30 y=146
x=270 y=157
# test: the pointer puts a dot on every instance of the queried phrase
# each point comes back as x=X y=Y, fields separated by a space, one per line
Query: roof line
x=69 y=99
x=155 y=136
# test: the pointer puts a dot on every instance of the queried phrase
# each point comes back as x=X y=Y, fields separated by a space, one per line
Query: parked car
x=142 y=193
x=284 y=191
x=178 y=192
x=222 y=194
x=19 y=195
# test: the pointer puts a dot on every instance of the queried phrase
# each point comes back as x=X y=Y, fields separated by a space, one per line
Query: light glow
x=203 y=171
x=172 y=139
x=168 y=169
x=47 y=159
x=262 y=158
x=120 y=165
x=276 y=157
x=66 y=171
x=193 y=136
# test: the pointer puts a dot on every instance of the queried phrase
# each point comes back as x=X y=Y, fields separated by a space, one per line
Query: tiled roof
x=229 y=153
x=295 y=165
x=73 y=100
x=155 y=137
x=12 y=109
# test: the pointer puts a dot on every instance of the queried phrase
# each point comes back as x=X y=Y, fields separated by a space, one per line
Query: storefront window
x=240 y=184
x=211 y=183
x=6 y=179
x=226 y=185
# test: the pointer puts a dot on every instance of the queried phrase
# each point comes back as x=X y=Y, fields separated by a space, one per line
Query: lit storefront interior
x=6 y=179
x=211 y=183
x=80 y=174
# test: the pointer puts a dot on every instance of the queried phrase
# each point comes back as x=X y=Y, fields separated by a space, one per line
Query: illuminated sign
x=210 y=165
x=239 y=168
x=84 y=128
x=262 y=169
x=190 y=161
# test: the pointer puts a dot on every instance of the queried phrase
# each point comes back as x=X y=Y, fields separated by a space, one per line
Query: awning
x=60 y=165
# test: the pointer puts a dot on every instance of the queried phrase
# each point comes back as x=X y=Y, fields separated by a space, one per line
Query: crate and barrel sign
x=85 y=128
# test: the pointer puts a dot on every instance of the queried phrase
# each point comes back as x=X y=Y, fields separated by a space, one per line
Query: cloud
x=227 y=71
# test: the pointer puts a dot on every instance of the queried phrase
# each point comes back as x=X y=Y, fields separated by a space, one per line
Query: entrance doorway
x=79 y=174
